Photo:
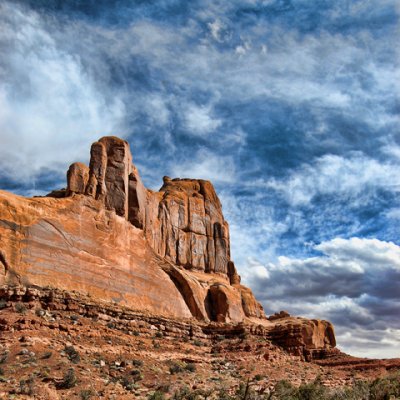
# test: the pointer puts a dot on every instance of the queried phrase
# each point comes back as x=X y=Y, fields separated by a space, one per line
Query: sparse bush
x=176 y=367
x=181 y=393
x=285 y=390
x=197 y=342
x=258 y=377
x=383 y=388
x=129 y=382
x=159 y=334
x=163 y=388
x=72 y=354
x=69 y=380
x=4 y=357
x=312 y=391
x=190 y=367
x=157 y=395
x=27 y=386
x=3 y=304
x=20 y=308
x=137 y=363
x=86 y=394
x=136 y=375
x=380 y=389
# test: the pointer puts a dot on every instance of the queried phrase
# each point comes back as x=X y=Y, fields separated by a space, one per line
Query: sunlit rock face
x=183 y=222
x=165 y=252
x=185 y=225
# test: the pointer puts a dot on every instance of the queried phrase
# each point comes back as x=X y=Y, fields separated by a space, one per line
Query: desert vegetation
x=387 y=388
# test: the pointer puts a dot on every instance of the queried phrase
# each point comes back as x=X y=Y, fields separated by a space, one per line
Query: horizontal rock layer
x=74 y=243
x=165 y=252
x=306 y=339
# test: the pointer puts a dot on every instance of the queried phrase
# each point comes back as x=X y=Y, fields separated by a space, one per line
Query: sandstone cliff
x=165 y=252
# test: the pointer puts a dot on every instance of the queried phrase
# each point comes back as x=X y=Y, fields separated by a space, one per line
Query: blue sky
x=290 y=107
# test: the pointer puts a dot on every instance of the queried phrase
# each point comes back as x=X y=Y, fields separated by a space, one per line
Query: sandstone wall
x=75 y=244
x=165 y=252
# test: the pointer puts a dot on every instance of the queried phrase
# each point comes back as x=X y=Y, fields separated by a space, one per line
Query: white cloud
x=207 y=165
x=333 y=174
x=51 y=108
x=200 y=121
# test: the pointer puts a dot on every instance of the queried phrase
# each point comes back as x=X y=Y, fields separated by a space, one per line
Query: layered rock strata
x=106 y=235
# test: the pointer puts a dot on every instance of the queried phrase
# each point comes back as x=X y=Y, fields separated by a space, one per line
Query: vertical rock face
x=110 y=167
x=186 y=225
x=183 y=223
x=98 y=164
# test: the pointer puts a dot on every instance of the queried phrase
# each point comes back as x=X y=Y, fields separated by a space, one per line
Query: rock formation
x=165 y=252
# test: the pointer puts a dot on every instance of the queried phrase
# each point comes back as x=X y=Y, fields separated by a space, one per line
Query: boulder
x=77 y=178
x=307 y=339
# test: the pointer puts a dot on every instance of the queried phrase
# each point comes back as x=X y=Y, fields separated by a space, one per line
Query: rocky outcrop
x=165 y=252
x=73 y=243
x=185 y=225
x=77 y=178
x=309 y=339
x=183 y=222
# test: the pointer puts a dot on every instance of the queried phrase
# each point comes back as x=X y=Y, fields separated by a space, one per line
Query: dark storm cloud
x=289 y=107
x=354 y=283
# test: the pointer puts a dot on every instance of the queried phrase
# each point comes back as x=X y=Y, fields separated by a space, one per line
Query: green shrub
x=27 y=386
x=136 y=375
x=69 y=380
x=176 y=368
x=20 y=308
x=190 y=367
x=157 y=395
x=384 y=388
x=86 y=394
x=72 y=354
x=137 y=363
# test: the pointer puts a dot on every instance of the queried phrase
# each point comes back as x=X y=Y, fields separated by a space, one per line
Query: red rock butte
x=166 y=253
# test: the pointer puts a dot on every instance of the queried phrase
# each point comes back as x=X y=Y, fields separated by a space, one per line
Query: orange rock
x=251 y=307
x=309 y=339
x=165 y=252
x=75 y=244
x=225 y=303
x=77 y=178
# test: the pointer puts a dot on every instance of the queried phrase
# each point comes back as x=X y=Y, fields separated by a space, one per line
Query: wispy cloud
x=51 y=107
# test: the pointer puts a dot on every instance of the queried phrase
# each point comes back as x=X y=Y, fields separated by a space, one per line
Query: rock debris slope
x=165 y=252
